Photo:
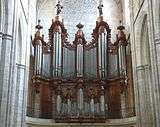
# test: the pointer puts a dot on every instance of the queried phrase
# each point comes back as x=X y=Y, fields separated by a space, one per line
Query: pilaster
x=5 y=71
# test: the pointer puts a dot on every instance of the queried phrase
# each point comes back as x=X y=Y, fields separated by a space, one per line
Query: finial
x=100 y=8
x=39 y=26
x=120 y=22
x=120 y=27
x=59 y=7
x=80 y=26
x=39 y=21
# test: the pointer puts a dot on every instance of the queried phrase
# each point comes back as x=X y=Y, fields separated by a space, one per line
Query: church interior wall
x=46 y=12
x=21 y=15
x=18 y=16
x=140 y=10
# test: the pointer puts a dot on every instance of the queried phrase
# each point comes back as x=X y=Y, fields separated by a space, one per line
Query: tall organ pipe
x=38 y=54
x=80 y=60
x=79 y=42
x=122 y=43
x=38 y=58
x=102 y=53
x=57 y=54
x=122 y=59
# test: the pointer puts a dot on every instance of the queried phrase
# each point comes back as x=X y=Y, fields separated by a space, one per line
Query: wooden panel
x=114 y=103
x=130 y=90
x=46 y=102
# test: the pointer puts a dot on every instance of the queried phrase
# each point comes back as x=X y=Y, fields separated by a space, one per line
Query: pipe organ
x=80 y=81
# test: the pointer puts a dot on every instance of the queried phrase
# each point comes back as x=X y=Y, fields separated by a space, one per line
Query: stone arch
x=143 y=73
x=20 y=72
x=144 y=43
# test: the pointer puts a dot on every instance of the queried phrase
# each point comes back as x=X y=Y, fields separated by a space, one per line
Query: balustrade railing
x=83 y=116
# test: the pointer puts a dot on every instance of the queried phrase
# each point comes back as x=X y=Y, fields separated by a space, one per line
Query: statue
x=59 y=8
x=100 y=9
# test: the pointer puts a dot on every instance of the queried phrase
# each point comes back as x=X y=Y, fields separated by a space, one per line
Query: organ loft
x=81 y=81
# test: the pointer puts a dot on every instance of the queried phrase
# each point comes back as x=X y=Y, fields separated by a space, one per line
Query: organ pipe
x=102 y=53
x=92 y=105
x=80 y=60
x=38 y=58
x=80 y=100
x=59 y=101
x=122 y=43
x=38 y=45
x=69 y=105
x=79 y=42
x=122 y=59
x=57 y=54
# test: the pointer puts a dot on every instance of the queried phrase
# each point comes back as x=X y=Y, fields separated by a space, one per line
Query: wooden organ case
x=81 y=81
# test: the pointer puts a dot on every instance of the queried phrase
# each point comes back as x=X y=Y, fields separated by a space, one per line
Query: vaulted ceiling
x=40 y=3
x=75 y=11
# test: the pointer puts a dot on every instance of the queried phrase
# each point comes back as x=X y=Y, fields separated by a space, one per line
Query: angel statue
x=59 y=8
x=100 y=9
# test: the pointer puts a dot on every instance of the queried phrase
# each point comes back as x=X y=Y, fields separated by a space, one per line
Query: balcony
x=85 y=117
x=39 y=122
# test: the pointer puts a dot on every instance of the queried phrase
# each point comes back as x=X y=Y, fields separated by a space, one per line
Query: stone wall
x=17 y=21
x=144 y=28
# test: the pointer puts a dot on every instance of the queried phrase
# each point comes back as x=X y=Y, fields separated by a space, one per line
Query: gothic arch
x=143 y=72
x=21 y=38
x=144 y=43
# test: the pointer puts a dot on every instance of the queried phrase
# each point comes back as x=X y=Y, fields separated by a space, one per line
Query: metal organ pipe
x=102 y=54
x=59 y=102
x=122 y=43
x=92 y=105
x=102 y=101
x=38 y=58
x=80 y=100
x=57 y=54
x=80 y=60
x=79 y=42
x=69 y=105
x=38 y=45
x=122 y=59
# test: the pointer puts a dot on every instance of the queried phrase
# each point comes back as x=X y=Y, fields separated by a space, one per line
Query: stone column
x=156 y=73
x=1 y=34
x=154 y=31
x=5 y=76
x=156 y=15
x=143 y=78
x=19 y=101
x=144 y=109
